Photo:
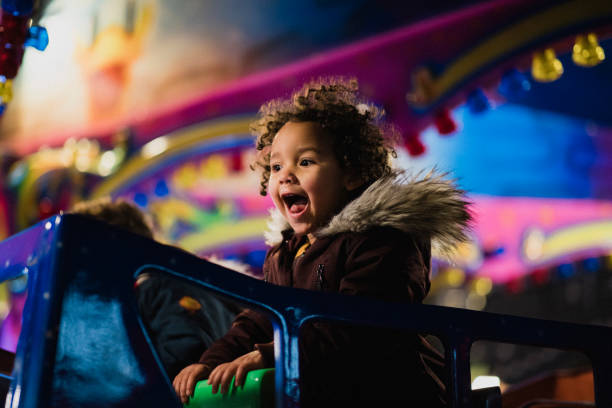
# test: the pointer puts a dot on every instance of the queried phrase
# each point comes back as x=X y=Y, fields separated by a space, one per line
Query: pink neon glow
x=501 y=221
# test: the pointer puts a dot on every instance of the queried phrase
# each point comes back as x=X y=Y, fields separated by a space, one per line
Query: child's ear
x=352 y=181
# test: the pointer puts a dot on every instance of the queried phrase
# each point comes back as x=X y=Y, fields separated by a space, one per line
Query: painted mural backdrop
x=111 y=62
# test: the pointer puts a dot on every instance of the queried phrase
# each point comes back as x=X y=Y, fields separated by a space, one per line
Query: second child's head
x=320 y=149
x=119 y=213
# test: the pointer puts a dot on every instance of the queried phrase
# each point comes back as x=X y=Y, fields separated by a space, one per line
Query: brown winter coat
x=378 y=246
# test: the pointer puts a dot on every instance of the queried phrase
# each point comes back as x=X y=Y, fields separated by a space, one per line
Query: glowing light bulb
x=483 y=286
x=545 y=66
x=533 y=245
x=485 y=381
x=155 y=147
x=587 y=52
x=6 y=91
x=107 y=163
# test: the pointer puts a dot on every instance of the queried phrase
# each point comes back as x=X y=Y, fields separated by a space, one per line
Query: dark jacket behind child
x=180 y=319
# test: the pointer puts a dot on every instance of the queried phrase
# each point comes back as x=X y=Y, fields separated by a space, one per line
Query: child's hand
x=184 y=383
x=223 y=373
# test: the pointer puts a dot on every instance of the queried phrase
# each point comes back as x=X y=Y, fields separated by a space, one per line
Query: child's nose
x=287 y=176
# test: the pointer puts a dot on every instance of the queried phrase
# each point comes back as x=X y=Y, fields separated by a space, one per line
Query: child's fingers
x=179 y=386
x=240 y=374
x=184 y=382
x=184 y=395
x=190 y=386
x=216 y=374
x=215 y=378
x=212 y=380
x=226 y=380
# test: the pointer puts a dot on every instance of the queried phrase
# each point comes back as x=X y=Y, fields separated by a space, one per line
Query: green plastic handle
x=257 y=392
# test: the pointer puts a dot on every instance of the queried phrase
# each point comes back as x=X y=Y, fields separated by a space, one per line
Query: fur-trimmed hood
x=424 y=205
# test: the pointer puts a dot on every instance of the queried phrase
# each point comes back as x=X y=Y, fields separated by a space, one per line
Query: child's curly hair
x=361 y=142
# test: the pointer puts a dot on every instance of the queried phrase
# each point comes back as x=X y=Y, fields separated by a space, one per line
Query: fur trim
x=424 y=205
x=276 y=225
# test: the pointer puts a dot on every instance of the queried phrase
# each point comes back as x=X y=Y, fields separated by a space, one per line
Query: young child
x=344 y=222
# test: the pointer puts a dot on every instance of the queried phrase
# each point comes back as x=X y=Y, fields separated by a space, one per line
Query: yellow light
x=214 y=167
x=587 y=52
x=82 y=163
x=533 y=246
x=454 y=277
x=5 y=305
x=66 y=156
x=155 y=147
x=185 y=177
x=83 y=145
x=545 y=66
x=6 y=91
x=538 y=247
x=70 y=143
x=5 y=308
x=107 y=163
x=483 y=286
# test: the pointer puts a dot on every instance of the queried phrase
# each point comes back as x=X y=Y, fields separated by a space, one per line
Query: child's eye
x=306 y=162
x=275 y=167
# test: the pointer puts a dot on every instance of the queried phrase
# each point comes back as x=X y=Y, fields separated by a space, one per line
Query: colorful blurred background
x=150 y=100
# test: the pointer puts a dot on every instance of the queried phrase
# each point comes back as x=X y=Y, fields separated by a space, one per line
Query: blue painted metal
x=82 y=342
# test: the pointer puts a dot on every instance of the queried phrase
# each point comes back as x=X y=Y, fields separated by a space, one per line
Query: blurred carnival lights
x=533 y=244
x=107 y=163
x=482 y=285
x=17 y=33
x=514 y=84
x=454 y=277
x=587 y=52
x=154 y=147
x=414 y=145
x=444 y=122
x=6 y=90
x=477 y=101
x=485 y=381
x=545 y=66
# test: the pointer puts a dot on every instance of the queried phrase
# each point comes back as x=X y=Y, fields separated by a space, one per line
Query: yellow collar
x=302 y=249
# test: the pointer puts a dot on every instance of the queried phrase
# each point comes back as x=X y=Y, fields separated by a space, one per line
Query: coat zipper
x=320 y=277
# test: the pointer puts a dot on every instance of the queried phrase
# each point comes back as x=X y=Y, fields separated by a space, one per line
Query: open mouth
x=295 y=203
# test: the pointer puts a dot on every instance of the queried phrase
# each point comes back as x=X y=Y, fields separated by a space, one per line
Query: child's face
x=307 y=184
